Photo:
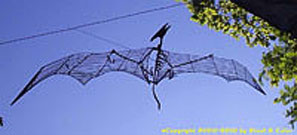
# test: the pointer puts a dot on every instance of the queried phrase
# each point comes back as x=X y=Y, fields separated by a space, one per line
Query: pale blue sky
x=118 y=103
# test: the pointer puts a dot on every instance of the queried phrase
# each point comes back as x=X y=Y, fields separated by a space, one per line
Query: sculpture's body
x=150 y=64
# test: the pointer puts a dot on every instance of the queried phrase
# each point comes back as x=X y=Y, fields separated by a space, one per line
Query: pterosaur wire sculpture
x=151 y=64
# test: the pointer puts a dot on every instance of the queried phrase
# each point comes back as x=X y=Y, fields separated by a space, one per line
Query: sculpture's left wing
x=86 y=66
x=228 y=69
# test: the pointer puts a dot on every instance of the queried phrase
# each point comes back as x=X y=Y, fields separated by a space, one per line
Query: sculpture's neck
x=160 y=44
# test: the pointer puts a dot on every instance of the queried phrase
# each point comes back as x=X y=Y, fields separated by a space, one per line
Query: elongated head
x=161 y=33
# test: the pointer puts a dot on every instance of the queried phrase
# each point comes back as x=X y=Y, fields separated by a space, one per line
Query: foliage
x=281 y=56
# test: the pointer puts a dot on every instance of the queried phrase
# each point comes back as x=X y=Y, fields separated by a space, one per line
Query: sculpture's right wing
x=228 y=69
x=86 y=66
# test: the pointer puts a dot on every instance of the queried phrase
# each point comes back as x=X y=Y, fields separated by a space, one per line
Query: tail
x=156 y=97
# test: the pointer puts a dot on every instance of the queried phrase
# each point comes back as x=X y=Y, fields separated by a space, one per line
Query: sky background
x=118 y=103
